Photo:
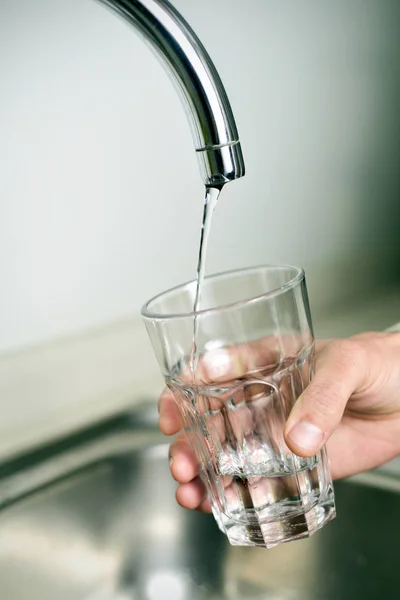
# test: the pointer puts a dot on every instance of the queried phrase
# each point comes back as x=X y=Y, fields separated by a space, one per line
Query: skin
x=352 y=404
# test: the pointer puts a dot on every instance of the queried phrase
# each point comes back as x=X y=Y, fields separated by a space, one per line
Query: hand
x=352 y=404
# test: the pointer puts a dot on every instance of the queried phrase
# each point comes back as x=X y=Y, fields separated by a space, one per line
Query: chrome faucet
x=214 y=129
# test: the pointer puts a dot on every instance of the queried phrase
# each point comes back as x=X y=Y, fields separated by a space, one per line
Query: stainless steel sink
x=94 y=517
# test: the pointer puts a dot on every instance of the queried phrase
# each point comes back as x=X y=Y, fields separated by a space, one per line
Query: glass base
x=287 y=528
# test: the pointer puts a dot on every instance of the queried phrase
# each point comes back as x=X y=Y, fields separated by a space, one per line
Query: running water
x=210 y=202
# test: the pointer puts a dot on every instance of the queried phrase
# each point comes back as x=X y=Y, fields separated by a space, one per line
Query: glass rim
x=150 y=315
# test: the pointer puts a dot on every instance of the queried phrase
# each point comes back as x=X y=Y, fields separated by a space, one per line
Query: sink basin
x=94 y=517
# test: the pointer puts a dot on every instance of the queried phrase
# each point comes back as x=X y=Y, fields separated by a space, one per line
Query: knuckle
x=325 y=399
x=348 y=354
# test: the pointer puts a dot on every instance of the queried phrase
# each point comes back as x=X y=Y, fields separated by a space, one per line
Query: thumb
x=340 y=370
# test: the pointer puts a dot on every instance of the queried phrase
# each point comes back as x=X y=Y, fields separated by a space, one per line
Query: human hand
x=352 y=404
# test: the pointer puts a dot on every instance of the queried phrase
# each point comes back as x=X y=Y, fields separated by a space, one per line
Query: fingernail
x=221 y=363
x=306 y=435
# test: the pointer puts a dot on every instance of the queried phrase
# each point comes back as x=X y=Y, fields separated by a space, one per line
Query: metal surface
x=214 y=129
x=108 y=528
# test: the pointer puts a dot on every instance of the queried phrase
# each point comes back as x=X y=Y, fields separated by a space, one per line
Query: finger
x=183 y=463
x=225 y=364
x=169 y=421
x=231 y=362
x=340 y=371
x=191 y=495
x=320 y=344
x=205 y=506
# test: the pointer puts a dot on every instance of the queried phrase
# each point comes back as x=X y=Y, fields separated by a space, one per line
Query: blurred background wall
x=100 y=197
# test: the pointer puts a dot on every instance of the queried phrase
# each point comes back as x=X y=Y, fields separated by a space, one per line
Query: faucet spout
x=214 y=129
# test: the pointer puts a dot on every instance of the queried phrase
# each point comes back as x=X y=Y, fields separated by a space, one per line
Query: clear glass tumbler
x=235 y=388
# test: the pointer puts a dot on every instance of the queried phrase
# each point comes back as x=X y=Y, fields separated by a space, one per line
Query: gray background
x=100 y=200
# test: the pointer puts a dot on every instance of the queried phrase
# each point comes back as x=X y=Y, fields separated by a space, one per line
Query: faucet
x=213 y=126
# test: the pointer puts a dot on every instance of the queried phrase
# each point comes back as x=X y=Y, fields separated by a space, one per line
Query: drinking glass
x=235 y=368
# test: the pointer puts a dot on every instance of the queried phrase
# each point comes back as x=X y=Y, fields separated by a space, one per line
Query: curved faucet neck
x=214 y=129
